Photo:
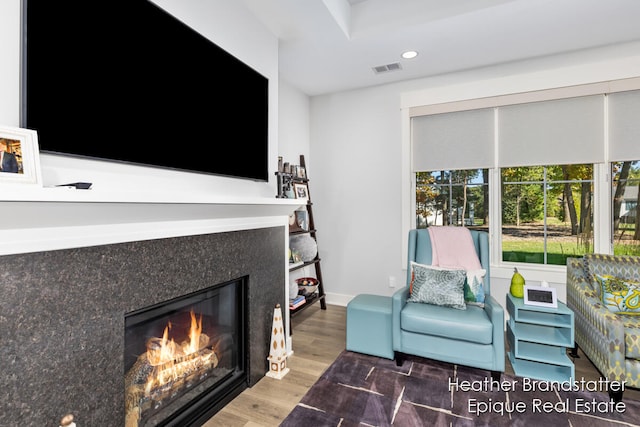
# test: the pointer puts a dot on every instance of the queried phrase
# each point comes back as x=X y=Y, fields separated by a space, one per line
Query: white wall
x=356 y=150
x=222 y=21
x=359 y=144
x=293 y=124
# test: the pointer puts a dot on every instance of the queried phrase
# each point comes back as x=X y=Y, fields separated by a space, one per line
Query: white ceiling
x=332 y=45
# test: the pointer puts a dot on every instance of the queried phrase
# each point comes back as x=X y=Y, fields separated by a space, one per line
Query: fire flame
x=172 y=361
x=194 y=333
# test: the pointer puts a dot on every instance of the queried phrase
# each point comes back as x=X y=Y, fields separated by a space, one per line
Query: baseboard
x=338 y=299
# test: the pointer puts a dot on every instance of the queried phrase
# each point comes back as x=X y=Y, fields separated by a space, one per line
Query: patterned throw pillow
x=619 y=295
x=473 y=289
x=611 y=265
x=434 y=285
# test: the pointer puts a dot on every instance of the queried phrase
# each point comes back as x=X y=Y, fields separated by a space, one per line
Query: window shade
x=624 y=126
x=458 y=140
x=562 y=131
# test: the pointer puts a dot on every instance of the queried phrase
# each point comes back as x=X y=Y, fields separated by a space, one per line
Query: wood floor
x=319 y=336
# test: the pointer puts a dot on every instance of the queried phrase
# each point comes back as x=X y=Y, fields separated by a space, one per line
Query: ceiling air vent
x=386 y=68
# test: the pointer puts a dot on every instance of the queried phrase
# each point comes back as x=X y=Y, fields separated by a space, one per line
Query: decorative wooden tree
x=277 y=351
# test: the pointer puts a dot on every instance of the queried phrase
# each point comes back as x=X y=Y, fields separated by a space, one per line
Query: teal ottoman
x=369 y=325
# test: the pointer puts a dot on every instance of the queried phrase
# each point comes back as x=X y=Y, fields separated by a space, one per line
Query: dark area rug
x=361 y=390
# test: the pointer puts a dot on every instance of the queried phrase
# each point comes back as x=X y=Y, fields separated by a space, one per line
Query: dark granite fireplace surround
x=62 y=316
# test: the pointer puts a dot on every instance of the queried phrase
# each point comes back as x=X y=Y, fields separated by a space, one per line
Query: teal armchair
x=473 y=337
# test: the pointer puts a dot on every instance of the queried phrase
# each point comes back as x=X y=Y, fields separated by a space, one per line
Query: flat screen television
x=123 y=80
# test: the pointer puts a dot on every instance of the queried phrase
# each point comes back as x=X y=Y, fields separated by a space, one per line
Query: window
x=624 y=201
x=554 y=192
x=453 y=197
x=547 y=213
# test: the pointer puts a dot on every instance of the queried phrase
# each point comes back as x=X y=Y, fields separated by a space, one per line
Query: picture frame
x=301 y=172
x=294 y=227
x=301 y=191
x=540 y=296
x=302 y=219
x=21 y=160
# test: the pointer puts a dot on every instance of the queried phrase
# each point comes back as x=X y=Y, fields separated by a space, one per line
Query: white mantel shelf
x=69 y=194
x=57 y=218
x=42 y=207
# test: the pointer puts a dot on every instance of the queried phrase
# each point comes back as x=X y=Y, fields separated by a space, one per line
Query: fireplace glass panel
x=184 y=357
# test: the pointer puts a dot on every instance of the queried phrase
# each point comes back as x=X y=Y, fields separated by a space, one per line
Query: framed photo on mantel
x=19 y=156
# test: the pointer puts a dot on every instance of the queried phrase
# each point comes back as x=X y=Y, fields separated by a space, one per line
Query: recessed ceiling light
x=410 y=54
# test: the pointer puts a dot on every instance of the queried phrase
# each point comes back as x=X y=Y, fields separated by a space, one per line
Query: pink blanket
x=452 y=247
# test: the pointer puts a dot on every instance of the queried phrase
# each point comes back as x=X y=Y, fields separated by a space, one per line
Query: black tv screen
x=124 y=80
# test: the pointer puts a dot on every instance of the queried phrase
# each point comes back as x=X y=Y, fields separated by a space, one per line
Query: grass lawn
x=532 y=252
x=557 y=252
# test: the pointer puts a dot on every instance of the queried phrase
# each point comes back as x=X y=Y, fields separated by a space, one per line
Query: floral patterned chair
x=604 y=293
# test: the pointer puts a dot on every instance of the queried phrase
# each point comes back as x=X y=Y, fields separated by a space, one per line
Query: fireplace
x=72 y=305
x=185 y=358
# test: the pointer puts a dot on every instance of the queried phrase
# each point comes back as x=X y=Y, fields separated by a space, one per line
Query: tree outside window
x=625 y=213
x=453 y=197
x=547 y=213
